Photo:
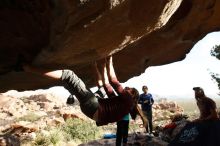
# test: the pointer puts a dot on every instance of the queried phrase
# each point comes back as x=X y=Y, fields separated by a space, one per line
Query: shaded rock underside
x=73 y=34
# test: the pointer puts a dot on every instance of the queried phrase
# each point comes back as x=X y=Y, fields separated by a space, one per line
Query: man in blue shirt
x=146 y=100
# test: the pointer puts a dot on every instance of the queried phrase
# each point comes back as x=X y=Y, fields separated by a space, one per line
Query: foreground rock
x=205 y=133
x=135 y=139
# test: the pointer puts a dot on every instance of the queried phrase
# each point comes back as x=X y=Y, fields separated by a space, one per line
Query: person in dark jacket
x=146 y=100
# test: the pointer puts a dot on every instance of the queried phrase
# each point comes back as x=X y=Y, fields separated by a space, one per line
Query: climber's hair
x=135 y=95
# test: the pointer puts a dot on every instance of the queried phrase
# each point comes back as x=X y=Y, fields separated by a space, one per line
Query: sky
x=175 y=79
x=178 y=79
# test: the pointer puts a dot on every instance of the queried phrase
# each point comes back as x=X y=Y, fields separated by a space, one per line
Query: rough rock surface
x=73 y=34
x=205 y=133
x=134 y=139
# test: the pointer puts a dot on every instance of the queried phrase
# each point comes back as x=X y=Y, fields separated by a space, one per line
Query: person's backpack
x=70 y=100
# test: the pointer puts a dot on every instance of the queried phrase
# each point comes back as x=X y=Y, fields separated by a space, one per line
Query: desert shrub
x=41 y=140
x=81 y=130
x=55 y=136
x=73 y=130
x=133 y=127
x=31 y=117
x=25 y=99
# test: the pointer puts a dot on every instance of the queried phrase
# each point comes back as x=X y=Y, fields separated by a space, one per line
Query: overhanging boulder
x=57 y=34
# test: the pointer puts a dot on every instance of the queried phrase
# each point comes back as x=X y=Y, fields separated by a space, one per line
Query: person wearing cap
x=207 y=106
x=146 y=100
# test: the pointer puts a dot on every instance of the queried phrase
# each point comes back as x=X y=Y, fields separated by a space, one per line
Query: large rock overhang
x=73 y=34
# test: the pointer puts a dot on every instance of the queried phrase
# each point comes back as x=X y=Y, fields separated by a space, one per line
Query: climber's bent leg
x=88 y=101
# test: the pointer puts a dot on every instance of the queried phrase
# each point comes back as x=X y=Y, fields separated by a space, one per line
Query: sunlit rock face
x=57 y=34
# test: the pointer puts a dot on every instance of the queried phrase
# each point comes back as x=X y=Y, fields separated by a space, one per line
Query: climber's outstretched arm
x=108 y=88
x=112 y=76
x=98 y=76
x=105 y=74
x=110 y=68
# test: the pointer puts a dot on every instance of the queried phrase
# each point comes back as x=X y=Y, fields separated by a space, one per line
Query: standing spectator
x=146 y=100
